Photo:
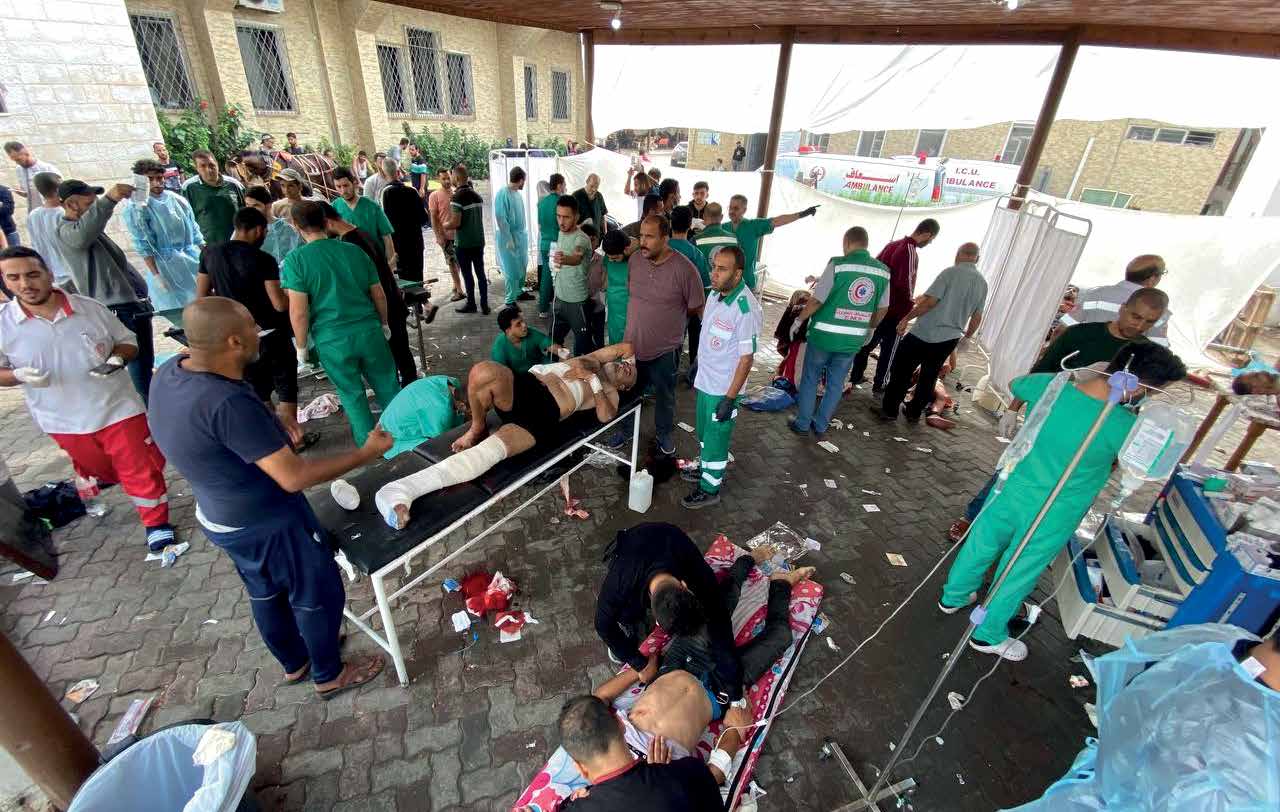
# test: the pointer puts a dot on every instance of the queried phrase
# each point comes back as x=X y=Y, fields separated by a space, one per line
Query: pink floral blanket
x=559 y=778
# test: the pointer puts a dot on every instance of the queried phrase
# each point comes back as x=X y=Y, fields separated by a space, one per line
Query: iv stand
x=1121 y=383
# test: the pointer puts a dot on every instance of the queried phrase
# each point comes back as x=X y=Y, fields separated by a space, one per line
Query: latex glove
x=563 y=354
x=809 y=212
x=386 y=332
x=302 y=357
x=1008 y=424
x=724 y=409
x=30 y=376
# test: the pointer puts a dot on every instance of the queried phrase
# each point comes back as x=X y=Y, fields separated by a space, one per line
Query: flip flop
x=356 y=673
x=303 y=673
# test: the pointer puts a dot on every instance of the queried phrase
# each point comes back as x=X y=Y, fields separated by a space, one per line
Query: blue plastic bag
x=158 y=773
x=1182 y=727
x=768 y=399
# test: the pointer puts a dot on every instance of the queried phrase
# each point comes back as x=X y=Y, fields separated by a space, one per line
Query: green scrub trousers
x=350 y=359
x=713 y=437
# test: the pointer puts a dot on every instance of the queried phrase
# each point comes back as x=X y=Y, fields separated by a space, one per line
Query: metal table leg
x=389 y=629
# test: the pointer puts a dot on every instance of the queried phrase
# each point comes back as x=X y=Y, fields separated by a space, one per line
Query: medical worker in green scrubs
x=336 y=299
x=1006 y=516
x=426 y=408
x=548 y=230
x=751 y=230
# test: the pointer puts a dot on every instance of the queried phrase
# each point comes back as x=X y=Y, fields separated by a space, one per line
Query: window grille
x=424 y=64
x=559 y=95
x=461 y=99
x=391 y=67
x=266 y=68
x=530 y=92
x=162 y=61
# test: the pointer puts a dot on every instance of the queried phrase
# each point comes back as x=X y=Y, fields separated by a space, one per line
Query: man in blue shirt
x=248 y=483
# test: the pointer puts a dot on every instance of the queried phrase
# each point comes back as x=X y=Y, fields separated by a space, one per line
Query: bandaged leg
x=394 y=498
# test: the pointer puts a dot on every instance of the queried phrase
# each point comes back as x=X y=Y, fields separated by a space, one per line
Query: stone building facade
x=1131 y=163
x=355 y=71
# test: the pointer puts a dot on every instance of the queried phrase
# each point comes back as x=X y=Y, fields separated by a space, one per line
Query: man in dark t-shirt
x=239 y=269
x=406 y=210
x=248 y=483
x=594 y=738
x=397 y=310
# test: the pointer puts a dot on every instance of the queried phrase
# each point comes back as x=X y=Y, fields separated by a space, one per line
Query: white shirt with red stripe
x=79 y=338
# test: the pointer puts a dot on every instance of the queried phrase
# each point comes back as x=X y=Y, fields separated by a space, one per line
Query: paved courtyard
x=475 y=724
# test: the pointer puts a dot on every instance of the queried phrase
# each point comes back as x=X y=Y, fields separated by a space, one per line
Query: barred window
x=461 y=100
x=559 y=95
x=1201 y=138
x=391 y=66
x=266 y=68
x=870 y=143
x=424 y=64
x=930 y=142
x=162 y=61
x=530 y=92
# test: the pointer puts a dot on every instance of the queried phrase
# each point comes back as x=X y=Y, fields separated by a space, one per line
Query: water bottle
x=641 y=494
x=90 y=495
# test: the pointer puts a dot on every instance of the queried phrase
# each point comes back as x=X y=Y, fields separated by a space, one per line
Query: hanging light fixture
x=616 y=9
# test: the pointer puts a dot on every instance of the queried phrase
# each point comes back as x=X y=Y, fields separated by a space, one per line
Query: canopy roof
x=1241 y=26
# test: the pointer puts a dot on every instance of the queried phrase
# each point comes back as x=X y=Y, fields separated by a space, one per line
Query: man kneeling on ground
x=531 y=405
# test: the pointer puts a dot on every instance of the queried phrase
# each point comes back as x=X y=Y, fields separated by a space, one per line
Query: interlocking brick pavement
x=459 y=736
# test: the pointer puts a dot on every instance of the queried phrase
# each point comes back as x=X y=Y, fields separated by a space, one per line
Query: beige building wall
x=703 y=156
x=1173 y=178
x=74 y=90
x=331 y=49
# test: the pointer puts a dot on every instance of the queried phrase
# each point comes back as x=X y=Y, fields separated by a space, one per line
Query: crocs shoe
x=951 y=610
x=1009 y=649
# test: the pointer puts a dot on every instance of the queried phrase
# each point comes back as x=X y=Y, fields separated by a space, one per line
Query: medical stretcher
x=367 y=546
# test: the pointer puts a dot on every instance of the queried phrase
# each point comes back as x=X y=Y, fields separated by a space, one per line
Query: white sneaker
x=612 y=658
x=1010 y=649
x=951 y=610
x=345 y=494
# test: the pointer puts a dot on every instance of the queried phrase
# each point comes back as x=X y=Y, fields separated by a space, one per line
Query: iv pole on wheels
x=1121 y=384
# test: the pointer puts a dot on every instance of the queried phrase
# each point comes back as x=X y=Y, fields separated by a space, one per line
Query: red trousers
x=125 y=453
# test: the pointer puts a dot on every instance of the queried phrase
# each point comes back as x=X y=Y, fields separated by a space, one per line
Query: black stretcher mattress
x=370 y=544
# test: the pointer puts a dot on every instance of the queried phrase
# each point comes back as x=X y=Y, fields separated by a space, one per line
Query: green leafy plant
x=344 y=154
x=452 y=146
x=191 y=130
x=555 y=143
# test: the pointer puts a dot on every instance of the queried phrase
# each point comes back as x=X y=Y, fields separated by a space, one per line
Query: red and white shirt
x=79 y=338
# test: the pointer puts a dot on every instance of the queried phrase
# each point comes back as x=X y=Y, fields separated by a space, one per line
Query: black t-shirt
x=739 y=153
x=405 y=209
x=395 y=302
x=240 y=271
x=684 y=785
x=1092 y=342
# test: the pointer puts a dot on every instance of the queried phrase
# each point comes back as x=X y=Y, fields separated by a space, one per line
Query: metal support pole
x=38 y=733
x=589 y=75
x=775 y=121
x=976 y=616
x=866 y=802
x=1048 y=112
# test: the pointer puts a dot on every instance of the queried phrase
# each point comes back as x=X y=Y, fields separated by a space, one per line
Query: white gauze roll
x=461 y=467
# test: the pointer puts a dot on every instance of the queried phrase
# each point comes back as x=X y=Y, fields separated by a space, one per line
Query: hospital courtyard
x=474 y=727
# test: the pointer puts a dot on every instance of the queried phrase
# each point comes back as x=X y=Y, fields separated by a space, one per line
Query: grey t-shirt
x=961 y=291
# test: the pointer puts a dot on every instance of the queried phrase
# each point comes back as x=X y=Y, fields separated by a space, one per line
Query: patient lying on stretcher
x=531 y=405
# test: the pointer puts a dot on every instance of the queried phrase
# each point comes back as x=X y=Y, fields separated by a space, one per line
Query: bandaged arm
x=461 y=467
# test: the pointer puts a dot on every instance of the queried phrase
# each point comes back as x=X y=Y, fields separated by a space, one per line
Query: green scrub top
x=336 y=276
x=616 y=296
x=532 y=350
x=422 y=410
x=1064 y=429
x=749 y=234
x=368 y=217
x=548 y=227
x=696 y=257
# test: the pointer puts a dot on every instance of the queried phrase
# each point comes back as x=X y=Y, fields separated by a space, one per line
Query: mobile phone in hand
x=103 y=370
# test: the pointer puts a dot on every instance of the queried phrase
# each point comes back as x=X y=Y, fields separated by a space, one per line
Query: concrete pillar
x=368 y=121
x=215 y=30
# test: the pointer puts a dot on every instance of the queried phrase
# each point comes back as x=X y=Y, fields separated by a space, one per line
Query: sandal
x=354 y=674
x=302 y=674
x=957 y=530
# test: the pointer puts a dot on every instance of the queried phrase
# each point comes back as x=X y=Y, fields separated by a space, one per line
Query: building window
x=461 y=100
x=930 y=142
x=1105 y=197
x=1167 y=135
x=818 y=141
x=424 y=64
x=163 y=61
x=266 y=68
x=391 y=67
x=1141 y=134
x=530 y=92
x=559 y=95
x=1015 y=145
x=1201 y=138
x=870 y=143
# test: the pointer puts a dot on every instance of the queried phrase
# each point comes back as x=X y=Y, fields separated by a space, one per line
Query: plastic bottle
x=1156 y=442
x=90 y=495
x=641 y=494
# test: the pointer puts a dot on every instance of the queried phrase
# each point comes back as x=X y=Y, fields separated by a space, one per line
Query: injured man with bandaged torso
x=531 y=405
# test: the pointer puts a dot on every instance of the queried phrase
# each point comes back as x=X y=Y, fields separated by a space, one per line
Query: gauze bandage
x=721 y=760
x=461 y=467
x=345 y=494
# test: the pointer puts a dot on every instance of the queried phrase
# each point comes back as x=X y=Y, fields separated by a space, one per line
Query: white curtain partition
x=837 y=88
x=536 y=168
x=1215 y=263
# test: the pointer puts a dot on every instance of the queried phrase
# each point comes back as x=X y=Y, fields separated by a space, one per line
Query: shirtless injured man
x=697 y=682
x=531 y=406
